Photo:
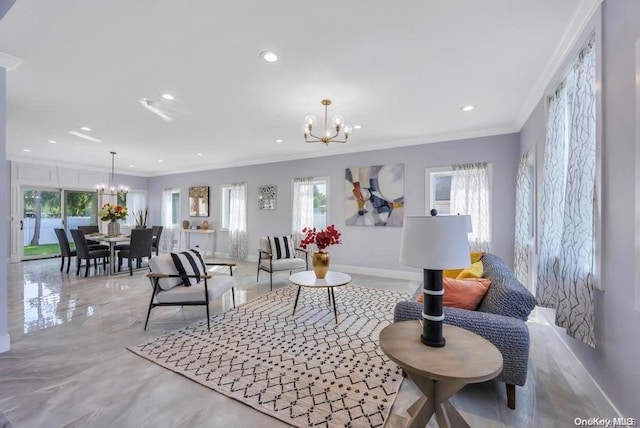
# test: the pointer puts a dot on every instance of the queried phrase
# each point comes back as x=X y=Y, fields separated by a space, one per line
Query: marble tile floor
x=69 y=367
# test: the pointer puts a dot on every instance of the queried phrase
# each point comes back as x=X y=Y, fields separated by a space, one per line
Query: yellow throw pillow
x=451 y=273
x=476 y=256
x=473 y=271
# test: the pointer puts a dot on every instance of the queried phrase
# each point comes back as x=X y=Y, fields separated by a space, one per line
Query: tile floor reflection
x=68 y=364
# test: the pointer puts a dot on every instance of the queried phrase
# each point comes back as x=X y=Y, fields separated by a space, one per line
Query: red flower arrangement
x=321 y=238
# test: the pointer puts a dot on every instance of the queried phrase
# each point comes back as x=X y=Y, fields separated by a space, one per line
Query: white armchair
x=169 y=287
x=269 y=261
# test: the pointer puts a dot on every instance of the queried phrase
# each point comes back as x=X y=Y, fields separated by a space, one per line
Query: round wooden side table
x=440 y=372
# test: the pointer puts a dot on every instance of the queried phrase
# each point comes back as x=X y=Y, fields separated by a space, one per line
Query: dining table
x=112 y=241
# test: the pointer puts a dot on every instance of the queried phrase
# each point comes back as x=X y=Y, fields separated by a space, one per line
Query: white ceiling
x=400 y=69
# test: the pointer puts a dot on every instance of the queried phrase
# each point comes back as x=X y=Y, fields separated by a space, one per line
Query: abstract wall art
x=375 y=195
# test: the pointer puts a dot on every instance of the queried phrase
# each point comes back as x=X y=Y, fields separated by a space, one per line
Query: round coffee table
x=440 y=372
x=330 y=281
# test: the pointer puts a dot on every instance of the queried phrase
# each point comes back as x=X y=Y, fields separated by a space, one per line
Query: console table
x=209 y=238
x=440 y=372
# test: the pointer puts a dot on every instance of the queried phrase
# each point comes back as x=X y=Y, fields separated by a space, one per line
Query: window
x=439 y=190
x=136 y=202
x=310 y=206
x=225 y=206
x=171 y=207
x=463 y=189
x=320 y=202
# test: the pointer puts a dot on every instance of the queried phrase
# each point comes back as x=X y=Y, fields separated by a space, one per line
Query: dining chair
x=65 y=249
x=87 y=230
x=157 y=232
x=83 y=252
x=140 y=247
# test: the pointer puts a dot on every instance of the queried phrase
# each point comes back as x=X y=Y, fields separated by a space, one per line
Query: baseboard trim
x=361 y=270
x=555 y=329
x=383 y=273
x=5 y=343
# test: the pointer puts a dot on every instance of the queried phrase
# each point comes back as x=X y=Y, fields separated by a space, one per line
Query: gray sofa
x=500 y=319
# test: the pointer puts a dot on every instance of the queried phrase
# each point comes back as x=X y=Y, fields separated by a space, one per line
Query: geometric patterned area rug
x=302 y=369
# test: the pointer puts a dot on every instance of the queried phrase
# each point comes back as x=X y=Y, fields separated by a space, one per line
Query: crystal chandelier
x=338 y=132
x=111 y=189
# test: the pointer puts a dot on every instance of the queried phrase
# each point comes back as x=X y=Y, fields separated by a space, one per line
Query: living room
x=367 y=253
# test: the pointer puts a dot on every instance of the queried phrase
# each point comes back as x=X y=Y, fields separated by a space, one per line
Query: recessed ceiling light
x=131 y=166
x=279 y=140
x=357 y=126
x=52 y=141
x=26 y=150
x=269 y=56
x=85 y=128
x=199 y=154
x=467 y=108
x=168 y=97
x=160 y=160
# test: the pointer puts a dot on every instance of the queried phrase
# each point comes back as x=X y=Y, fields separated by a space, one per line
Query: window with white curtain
x=225 y=206
x=567 y=261
x=136 y=202
x=170 y=217
x=238 y=248
x=310 y=204
x=463 y=189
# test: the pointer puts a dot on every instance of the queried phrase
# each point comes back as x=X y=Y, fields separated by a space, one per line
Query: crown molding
x=35 y=161
x=579 y=21
x=9 y=62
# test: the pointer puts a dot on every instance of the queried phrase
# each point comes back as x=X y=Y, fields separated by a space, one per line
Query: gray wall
x=363 y=246
x=614 y=361
x=4 y=209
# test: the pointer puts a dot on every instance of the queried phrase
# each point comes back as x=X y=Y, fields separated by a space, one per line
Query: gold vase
x=320 y=262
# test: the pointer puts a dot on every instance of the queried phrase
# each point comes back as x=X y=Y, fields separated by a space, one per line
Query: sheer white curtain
x=567 y=239
x=136 y=202
x=524 y=197
x=302 y=214
x=470 y=195
x=169 y=229
x=238 y=248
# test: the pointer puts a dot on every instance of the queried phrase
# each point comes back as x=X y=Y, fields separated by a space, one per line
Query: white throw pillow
x=163 y=263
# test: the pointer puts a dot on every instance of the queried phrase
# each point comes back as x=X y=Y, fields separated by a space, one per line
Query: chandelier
x=111 y=189
x=338 y=132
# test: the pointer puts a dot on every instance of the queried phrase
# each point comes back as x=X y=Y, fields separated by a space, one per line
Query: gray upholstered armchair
x=500 y=319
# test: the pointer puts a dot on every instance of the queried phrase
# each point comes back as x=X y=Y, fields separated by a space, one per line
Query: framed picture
x=375 y=195
x=199 y=201
x=267 y=197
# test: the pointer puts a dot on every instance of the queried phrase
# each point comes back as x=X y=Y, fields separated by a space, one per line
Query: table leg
x=437 y=394
x=329 y=293
x=335 y=311
x=112 y=257
x=296 y=304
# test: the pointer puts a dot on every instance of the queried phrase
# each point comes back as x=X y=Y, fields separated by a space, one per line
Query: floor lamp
x=434 y=243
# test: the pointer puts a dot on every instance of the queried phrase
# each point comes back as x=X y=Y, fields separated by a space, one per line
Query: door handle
x=21 y=225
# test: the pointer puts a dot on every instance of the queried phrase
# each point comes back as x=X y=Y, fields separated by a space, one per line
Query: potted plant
x=321 y=239
x=141 y=219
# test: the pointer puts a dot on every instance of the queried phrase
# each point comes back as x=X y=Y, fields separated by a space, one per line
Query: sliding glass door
x=47 y=209
x=42 y=213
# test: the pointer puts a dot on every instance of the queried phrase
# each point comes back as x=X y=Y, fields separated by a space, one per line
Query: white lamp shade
x=435 y=242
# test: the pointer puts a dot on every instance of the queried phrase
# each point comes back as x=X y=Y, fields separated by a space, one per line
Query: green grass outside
x=43 y=250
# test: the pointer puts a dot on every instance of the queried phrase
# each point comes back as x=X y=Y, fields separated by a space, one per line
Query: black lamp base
x=431 y=329
x=437 y=343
